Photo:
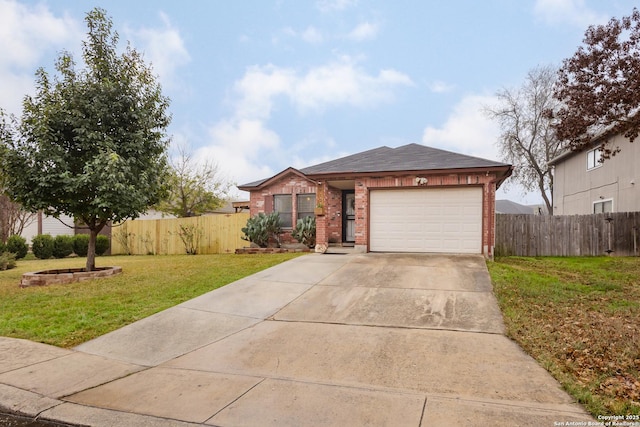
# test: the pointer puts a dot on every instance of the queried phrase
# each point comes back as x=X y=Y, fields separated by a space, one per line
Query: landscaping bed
x=580 y=319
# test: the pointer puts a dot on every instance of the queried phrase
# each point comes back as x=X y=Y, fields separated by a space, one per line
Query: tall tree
x=13 y=217
x=527 y=139
x=193 y=188
x=599 y=86
x=92 y=143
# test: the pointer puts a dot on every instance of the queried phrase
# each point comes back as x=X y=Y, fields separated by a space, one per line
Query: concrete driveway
x=321 y=340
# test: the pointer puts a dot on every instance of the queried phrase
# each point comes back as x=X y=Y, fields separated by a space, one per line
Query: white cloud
x=27 y=34
x=164 y=48
x=439 y=86
x=259 y=86
x=243 y=143
x=237 y=145
x=364 y=31
x=334 y=5
x=312 y=35
x=337 y=83
x=573 y=12
x=467 y=130
x=309 y=35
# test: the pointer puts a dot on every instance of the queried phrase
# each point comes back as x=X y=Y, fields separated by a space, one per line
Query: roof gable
x=267 y=181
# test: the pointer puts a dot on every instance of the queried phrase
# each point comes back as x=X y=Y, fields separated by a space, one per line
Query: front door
x=349 y=216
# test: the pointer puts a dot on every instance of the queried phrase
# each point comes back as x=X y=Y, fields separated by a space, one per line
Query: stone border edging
x=65 y=276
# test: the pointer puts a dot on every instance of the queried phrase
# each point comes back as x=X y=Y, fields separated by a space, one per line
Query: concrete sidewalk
x=322 y=340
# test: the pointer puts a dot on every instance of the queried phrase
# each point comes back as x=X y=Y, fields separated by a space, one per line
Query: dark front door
x=348 y=216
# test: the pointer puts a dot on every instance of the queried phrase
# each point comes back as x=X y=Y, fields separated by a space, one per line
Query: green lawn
x=580 y=319
x=67 y=315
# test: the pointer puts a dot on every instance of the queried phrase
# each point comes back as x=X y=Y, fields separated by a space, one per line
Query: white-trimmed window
x=603 y=206
x=282 y=204
x=594 y=158
x=306 y=204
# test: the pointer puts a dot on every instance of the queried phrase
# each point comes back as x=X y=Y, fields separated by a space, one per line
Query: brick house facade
x=342 y=193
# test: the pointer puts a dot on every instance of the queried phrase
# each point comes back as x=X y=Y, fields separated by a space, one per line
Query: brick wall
x=261 y=201
x=362 y=187
x=329 y=225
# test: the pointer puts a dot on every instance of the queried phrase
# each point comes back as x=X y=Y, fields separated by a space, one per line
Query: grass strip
x=67 y=315
x=580 y=319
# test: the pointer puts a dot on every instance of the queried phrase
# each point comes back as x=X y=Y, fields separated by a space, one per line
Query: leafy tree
x=599 y=85
x=193 y=188
x=13 y=217
x=92 y=142
x=527 y=139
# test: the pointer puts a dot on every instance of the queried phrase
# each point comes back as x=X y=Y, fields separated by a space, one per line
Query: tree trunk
x=91 y=252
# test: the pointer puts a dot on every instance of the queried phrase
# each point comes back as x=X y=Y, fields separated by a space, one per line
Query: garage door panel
x=426 y=220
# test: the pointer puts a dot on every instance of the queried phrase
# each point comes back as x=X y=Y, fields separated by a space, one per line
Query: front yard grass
x=67 y=315
x=580 y=319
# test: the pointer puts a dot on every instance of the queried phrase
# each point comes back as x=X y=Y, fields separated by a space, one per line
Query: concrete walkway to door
x=321 y=340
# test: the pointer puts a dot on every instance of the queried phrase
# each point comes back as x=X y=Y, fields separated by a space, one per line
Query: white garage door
x=426 y=220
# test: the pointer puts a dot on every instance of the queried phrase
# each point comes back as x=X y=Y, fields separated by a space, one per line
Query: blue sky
x=261 y=85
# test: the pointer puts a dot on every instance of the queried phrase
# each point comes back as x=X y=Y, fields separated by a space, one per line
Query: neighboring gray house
x=585 y=185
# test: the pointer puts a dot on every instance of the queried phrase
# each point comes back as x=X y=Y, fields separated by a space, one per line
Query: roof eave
x=505 y=169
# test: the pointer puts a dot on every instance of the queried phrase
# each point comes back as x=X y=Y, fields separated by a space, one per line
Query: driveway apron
x=321 y=340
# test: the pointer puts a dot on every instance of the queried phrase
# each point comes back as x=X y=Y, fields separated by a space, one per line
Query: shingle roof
x=405 y=158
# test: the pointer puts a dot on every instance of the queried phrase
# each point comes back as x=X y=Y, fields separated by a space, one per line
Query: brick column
x=362 y=212
x=322 y=232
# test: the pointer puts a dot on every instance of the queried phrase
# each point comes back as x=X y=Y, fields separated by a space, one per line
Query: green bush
x=17 y=245
x=305 y=231
x=81 y=244
x=3 y=247
x=42 y=246
x=102 y=244
x=7 y=260
x=262 y=227
x=62 y=246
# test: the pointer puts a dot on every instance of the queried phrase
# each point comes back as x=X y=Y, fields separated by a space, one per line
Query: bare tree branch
x=527 y=139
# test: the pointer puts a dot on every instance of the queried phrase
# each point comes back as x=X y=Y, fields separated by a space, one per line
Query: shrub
x=7 y=260
x=81 y=244
x=102 y=244
x=190 y=236
x=17 y=245
x=42 y=246
x=305 y=231
x=262 y=227
x=3 y=247
x=62 y=246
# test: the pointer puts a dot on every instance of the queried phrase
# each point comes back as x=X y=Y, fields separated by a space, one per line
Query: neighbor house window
x=603 y=206
x=593 y=158
x=282 y=205
x=306 y=204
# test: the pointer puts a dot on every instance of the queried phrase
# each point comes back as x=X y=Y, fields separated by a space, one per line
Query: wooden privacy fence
x=211 y=234
x=568 y=235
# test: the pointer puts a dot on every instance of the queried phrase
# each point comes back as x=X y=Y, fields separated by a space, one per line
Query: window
x=593 y=158
x=282 y=205
x=603 y=206
x=306 y=204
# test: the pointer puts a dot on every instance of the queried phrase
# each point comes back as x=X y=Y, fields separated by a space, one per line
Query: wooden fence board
x=215 y=234
x=568 y=235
